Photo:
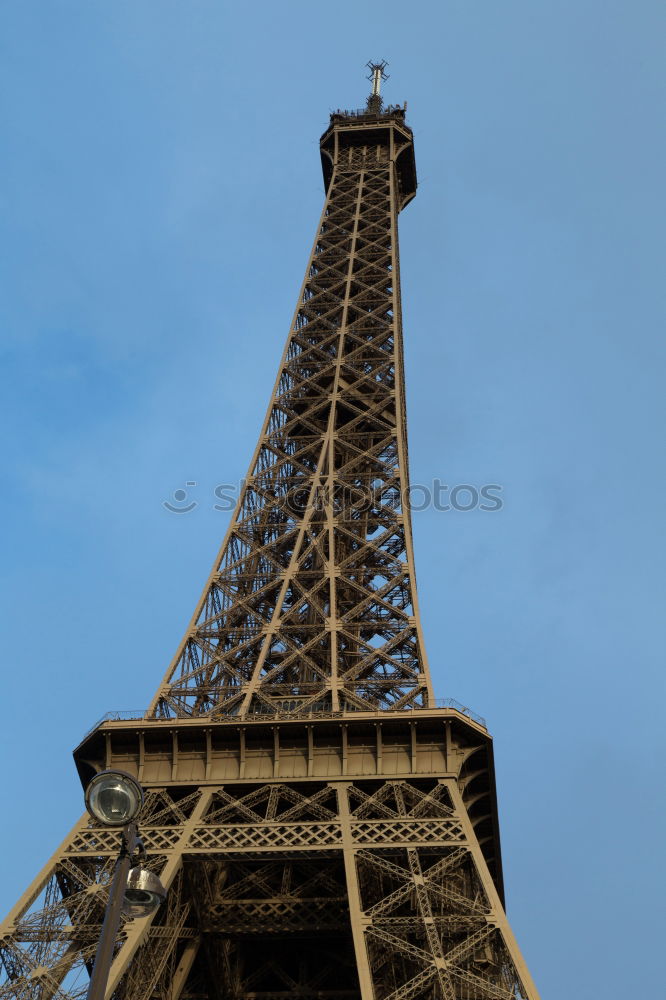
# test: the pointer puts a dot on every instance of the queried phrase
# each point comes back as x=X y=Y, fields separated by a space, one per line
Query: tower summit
x=325 y=827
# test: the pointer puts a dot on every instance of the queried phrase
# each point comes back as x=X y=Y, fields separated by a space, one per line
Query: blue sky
x=160 y=188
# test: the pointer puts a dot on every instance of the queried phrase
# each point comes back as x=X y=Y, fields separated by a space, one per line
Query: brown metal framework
x=311 y=604
x=325 y=829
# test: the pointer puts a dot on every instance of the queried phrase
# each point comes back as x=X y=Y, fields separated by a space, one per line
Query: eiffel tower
x=325 y=827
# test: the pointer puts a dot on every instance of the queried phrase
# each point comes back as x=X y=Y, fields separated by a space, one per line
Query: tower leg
x=354 y=898
x=510 y=942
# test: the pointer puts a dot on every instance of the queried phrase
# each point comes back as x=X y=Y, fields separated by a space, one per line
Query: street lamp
x=144 y=893
x=115 y=799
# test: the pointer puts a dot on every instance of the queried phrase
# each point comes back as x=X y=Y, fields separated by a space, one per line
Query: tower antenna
x=376 y=75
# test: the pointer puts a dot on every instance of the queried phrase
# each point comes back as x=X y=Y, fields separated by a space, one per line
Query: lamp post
x=115 y=799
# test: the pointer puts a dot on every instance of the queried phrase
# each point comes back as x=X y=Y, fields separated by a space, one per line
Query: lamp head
x=144 y=893
x=114 y=798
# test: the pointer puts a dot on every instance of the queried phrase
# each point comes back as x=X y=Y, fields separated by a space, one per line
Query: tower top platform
x=383 y=128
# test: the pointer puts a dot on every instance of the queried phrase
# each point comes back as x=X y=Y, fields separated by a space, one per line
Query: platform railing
x=365 y=114
x=139 y=714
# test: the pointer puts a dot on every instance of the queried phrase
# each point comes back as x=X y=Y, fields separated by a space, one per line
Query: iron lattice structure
x=311 y=604
x=325 y=829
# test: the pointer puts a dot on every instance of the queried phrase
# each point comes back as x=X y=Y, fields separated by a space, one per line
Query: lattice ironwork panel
x=424 y=799
x=429 y=831
x=256 y=804
x=275 y=836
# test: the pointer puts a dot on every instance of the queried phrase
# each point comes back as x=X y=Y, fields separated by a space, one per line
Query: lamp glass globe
x=114 y=798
